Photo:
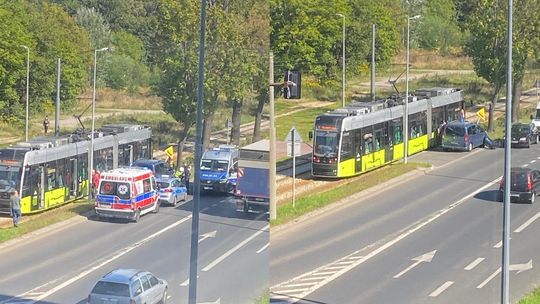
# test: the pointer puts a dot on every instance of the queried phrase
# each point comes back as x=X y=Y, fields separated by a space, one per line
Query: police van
x=127 y=193
x=218 y=169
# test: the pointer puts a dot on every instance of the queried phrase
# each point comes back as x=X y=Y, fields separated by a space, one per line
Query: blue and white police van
x=218 y=169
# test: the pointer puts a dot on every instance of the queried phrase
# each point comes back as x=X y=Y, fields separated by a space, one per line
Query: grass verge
x=264 y=299
x=316 y=200
x=532 y=298
x=32 y=223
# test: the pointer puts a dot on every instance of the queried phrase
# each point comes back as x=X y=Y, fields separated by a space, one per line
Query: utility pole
x=373 y=63
x=272 y=173
x=57 y=114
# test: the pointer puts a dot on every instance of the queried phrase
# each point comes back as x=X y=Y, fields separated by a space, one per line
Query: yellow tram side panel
x=346 y=168
x=418 y=144
x=53 y=198
x=373 y=160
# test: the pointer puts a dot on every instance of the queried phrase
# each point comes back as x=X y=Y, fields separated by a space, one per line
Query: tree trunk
x=181 y=142
x=516 y=97
x=207 y=130
x=236 y=119
x=258 y=119
x=493 y=103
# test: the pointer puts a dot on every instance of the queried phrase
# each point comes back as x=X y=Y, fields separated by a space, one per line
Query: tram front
x=10 y=175
x=326 y=142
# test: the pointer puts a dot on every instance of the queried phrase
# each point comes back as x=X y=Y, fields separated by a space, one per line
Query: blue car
x=171 y=190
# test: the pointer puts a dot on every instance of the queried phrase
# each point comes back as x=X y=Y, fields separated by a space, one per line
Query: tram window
x=368 y=143
x=346 y=145
x=60 y=166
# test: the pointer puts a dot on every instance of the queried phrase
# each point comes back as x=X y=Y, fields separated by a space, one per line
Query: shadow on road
x=8 y=299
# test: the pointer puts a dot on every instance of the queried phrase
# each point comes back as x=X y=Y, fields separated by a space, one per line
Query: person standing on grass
x=15 y=202
x=46 y=124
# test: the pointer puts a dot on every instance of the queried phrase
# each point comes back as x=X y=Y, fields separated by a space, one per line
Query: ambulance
x=126 y=193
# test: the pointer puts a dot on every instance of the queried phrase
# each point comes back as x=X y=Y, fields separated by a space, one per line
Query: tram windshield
x=9 y=177
x=326 y=143
x=214 y=165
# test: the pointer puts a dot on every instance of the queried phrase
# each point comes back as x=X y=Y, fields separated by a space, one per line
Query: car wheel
x=470 y=147
x=533 y=196
x=164 y=298
x=137 y=216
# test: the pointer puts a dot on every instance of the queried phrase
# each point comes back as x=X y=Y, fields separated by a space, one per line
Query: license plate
x=207 y=188
x=105 y=206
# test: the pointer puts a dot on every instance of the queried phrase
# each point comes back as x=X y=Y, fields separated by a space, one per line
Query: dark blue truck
x=252 y=185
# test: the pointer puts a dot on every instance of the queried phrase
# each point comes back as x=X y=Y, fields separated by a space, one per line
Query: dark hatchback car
x=524 y=185
x=523 y=135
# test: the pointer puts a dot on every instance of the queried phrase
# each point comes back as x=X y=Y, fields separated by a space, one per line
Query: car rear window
x=114 y=188
x=519 y=178
x=111 y=289
x=455 y=131
x=163 y=185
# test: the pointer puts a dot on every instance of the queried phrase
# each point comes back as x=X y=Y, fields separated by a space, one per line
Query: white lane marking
x=214 y=205
x=474 y=264
x=106 y=261
x=442 y=288
x=533 y=161
x=263 y=248
x=211 y=234
x=427 y=257
x=218 y=301
x=413 y=228
x=499 y=244
x=527 y=223
x=235 y=248
x=525 y=165
x=514 y=267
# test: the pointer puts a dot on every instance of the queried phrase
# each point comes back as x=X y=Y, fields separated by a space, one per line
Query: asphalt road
x=434 y=237
x=62 y=265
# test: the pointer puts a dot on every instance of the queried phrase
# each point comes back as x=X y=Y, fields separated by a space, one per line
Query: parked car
x=464 y=136
x=524 y=184
x=159 y=167
x=171 y=190
x=129 y=286
x=523 y=135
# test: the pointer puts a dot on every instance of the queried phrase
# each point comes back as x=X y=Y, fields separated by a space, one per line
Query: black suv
x=523 y=135
x=524 y=184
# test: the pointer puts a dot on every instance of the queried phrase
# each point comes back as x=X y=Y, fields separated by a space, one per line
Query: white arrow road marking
x=474 y=264
x=527 y=223
x=105 y=261
x=426 y=257
x=218 y=301
x=362 y=259
x=515 y=267
x=232 y=250
x=499 y=244
x=263 y=248
x=186 y=282
x=442 y=288
x=207 y=235
x=525 y=165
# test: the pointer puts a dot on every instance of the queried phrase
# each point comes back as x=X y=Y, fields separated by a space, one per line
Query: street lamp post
x=90 y=185
x=27 y=88
x=343 y=64
x=406 y=114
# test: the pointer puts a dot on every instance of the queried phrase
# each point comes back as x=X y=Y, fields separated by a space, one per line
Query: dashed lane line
x=474 y=264
x=279 y=291
x=441 y=289
x=528 y=222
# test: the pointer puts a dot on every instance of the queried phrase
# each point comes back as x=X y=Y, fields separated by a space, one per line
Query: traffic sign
x=481 y=114
x=170 y=151
x=297 y=149
x=297 y=137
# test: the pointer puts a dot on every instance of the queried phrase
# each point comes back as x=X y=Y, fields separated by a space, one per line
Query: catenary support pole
x=198 y=154
x=272 y=173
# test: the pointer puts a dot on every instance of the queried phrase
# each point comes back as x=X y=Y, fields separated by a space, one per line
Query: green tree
x=487 y=45
x=438 y=29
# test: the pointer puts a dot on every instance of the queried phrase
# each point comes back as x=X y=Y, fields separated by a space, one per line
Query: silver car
x=171 y=190
x=129 y=286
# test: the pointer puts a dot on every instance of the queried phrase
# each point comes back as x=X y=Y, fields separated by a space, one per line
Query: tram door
x=389 y=142
x=41 y=187
x=358 y=150
x=72 y=178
